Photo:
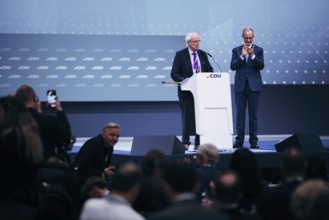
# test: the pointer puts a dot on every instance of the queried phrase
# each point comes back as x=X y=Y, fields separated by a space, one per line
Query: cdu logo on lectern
x=215 y=75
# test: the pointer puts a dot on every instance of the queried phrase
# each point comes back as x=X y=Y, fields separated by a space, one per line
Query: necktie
x=247 y=56
x=195 y=62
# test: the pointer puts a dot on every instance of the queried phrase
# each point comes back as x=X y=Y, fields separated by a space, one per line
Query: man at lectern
x=188 y=61
x=247 y=60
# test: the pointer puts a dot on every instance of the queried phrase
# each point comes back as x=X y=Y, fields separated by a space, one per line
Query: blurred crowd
x=38 y=181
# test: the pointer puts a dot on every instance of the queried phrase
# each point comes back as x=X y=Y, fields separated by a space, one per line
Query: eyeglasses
x=248 y=38
x=195 y=41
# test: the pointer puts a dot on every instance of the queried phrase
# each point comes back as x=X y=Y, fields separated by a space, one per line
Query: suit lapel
x=200 y=59
x=188 y=62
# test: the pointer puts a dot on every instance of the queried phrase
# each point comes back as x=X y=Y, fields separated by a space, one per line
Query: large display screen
x=108 y=50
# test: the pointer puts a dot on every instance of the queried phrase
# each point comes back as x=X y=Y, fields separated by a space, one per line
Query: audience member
x=316 y=168
x=245 y=164
x=95 y=187
x=117 y=204
x=320 y=209
x=227 y=193
x=55 y=130
x=151 y=197
x=59 y=191
x=274 y=202
x=206 y=159
x=181 y=184
x=307 y=199
x=21 y=154
x=94 y=157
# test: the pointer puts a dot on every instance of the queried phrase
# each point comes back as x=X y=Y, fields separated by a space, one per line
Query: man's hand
x=58 y=105
x=109 y=171
x=250 y=51
x=244 y=51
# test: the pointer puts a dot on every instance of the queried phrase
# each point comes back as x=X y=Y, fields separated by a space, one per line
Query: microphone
x=220 y=70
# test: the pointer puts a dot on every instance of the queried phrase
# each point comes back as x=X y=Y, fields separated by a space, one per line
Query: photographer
x=95 y=156
x=54 y=130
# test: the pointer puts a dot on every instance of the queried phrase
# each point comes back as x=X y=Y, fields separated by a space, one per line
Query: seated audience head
x=153 y=161
x=207 y=155
x=320 y=209
x=111 y=133
x=28 y=96
x=180 y=178
x=303 y=199
x=293 y=163
x=245 y=164
x=227 y=188
x=95 y=187
x=316 y=168
x=126 y=181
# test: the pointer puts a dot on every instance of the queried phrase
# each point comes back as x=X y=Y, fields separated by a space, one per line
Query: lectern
x=213 y=107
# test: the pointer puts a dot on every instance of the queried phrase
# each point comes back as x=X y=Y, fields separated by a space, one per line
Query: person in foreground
x=181 y=184
x=94 y=157
x=117 y=204
x=247 y=60
x=187 y=62
x=21 y=155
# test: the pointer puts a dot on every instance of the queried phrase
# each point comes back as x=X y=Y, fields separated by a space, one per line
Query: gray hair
x=111 y=125
x=247 y=29
x=209 y=152
x=189 y=36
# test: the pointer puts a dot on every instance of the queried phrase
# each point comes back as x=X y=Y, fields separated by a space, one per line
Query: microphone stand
x=220 y=70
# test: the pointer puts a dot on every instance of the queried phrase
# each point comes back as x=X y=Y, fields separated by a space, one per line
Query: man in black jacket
x=94 y=157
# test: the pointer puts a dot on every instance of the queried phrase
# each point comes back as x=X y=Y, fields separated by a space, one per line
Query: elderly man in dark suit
x=247 y=60
x=187 y=62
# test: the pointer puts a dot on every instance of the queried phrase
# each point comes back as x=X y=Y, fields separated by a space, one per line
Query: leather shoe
x=254 y=146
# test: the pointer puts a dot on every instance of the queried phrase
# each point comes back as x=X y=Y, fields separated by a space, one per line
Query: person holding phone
x=55 y=130
x=247 y=60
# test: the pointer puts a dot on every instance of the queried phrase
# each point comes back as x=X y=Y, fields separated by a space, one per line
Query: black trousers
x=188 y=119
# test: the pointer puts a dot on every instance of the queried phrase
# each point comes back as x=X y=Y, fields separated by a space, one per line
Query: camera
x=51 y=98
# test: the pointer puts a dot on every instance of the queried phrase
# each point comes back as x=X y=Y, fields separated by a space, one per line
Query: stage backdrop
x=107 y=58
x=109 y=50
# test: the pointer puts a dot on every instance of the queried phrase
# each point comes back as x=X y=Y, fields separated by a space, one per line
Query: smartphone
x=51 y=98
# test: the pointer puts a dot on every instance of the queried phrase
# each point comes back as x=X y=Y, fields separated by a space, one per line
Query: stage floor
x=266 y=143
x=267 y=156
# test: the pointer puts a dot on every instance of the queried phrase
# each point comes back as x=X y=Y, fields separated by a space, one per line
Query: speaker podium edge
x=306 y=142
x=168 y=144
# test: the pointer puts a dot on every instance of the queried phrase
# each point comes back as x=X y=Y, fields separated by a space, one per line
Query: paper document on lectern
x=213 y=108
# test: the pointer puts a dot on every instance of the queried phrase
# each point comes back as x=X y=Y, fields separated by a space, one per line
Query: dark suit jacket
x=91 y=158
x=55 y=130
x=250 y=70
x=182 y=67
x=188 y=209
x=274 y=203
